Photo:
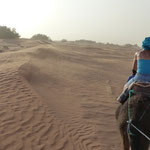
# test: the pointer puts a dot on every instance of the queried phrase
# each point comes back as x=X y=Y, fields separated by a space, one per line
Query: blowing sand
x=60 y=96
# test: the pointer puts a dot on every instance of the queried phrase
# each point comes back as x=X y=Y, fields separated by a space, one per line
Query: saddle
x=136 y=87
x=140 y=87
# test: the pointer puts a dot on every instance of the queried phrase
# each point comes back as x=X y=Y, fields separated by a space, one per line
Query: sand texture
x=60 y=96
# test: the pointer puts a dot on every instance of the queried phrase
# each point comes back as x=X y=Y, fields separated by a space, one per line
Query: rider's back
x=143 y=62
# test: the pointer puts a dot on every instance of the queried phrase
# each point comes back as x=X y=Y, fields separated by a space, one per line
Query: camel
x=135 y=111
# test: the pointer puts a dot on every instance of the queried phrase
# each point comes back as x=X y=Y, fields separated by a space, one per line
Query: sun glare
x=25 y=15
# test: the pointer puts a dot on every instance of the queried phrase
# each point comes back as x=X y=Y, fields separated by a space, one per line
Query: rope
x=129 y=99
x=138 y=130
x=148 y=85
x=129 y=114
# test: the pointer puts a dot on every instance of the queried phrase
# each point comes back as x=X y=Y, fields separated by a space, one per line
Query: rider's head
x=146 y=43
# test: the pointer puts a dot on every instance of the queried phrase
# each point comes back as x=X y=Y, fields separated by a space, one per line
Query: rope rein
x=129 y=116
x=138 y=130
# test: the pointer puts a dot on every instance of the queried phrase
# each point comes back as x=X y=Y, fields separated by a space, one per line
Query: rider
x=141 y=69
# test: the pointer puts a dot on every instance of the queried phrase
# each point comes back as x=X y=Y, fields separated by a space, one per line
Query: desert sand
x=60 y=96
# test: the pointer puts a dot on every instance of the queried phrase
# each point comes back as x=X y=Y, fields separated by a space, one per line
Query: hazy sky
x=113 y=21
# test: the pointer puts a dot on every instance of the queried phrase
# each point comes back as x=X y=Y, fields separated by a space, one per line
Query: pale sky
x=113 y=21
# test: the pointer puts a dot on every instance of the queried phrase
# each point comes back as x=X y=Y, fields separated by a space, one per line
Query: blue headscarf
x=146 y=43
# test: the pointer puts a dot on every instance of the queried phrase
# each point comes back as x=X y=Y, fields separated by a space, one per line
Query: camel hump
x=142 y=87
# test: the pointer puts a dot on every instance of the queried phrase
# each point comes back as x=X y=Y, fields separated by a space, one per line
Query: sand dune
x=60 y=96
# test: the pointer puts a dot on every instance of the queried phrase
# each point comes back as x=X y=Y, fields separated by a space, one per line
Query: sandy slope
x=61 y=97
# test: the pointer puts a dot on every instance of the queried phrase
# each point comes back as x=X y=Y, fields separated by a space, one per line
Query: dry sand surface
x=60 y=96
